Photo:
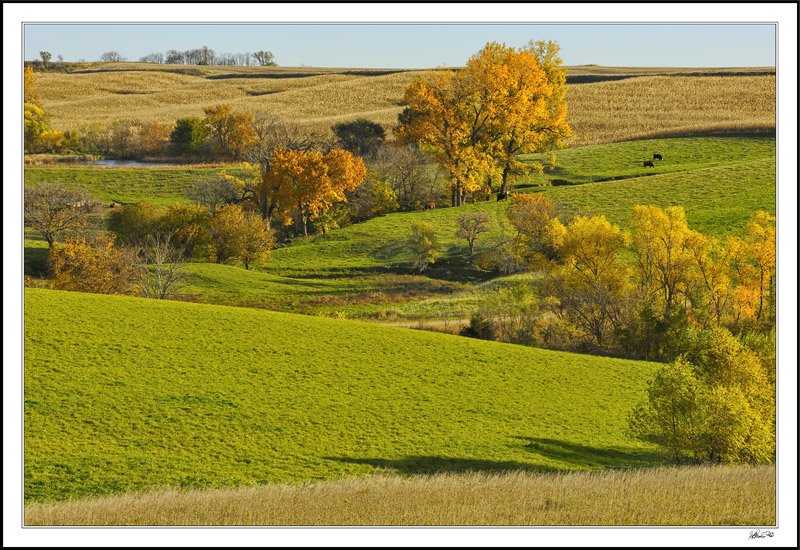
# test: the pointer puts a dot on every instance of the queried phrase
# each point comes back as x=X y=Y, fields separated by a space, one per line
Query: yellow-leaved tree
x=230 y=131
x=591 y=284
x=753 y=261
x=474 y=121
x=663 y=261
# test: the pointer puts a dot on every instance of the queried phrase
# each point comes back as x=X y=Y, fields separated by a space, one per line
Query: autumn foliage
x=93 y=265
x=474 y=121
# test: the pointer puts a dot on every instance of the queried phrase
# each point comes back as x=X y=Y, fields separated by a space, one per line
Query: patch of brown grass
x=663 y=496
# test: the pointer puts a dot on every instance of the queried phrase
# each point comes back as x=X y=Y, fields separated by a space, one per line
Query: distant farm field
x=127 y=393
x=605 y=104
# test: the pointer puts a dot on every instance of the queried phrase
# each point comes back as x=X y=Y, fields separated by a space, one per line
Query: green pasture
x=162 y=186
x=625 y=159
x=125 y=394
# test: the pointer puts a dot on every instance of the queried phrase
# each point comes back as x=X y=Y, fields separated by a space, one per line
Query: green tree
x=715 y=405
x=424 y=245
x=361 y=137
x=46 y=56
x=188 y=135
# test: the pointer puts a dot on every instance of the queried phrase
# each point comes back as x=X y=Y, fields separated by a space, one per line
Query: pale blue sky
x=417 y=45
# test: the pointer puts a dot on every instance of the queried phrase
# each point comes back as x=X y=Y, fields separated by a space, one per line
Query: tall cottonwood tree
x=476 y=120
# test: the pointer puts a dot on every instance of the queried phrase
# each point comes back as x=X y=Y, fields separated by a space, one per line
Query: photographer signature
x=757 y=534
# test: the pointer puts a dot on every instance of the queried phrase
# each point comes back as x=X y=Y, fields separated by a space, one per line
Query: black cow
x=656 y=156
x=649 y=164
x=502 y=196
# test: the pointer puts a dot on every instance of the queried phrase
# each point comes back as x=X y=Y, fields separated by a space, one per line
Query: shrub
x=424 y=245
x=134 y=222
x=479 y=327
x=95 y=265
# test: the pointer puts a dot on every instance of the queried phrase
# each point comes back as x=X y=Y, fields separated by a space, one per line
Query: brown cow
x=429 y=206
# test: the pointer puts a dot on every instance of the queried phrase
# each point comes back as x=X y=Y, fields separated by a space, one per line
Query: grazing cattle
x=649 y=164
x=502 y=196
x=112 y=205
x=656 y=156
x=429 y=206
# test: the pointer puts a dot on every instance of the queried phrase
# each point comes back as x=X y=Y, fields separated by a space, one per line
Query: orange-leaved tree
x=304 y=183
x=94 y=265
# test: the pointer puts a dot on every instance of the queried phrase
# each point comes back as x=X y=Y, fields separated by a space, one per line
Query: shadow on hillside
x=584 y=455
x=572 y=454
x=440 y=464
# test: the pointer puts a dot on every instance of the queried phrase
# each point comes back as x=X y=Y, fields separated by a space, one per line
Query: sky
x=406 y=46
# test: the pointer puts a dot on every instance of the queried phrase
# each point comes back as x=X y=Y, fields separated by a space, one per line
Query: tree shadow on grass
x=570 y=455
x=585 y=456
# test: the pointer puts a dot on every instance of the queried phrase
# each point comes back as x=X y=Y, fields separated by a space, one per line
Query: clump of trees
x=207 y=56
x=640 y=293
x=715 y=404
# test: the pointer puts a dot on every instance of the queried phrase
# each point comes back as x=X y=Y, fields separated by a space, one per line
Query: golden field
x=685 y=496
x=648 y=102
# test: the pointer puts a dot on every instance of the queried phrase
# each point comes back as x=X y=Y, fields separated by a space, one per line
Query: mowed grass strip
x=126 y=394
x=681 y=496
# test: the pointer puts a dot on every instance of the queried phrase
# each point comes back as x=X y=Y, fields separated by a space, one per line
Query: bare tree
x=161 y=272
x=155 y=57
x=265 y=58
x=60 y=58
x=112 y=56
x=404 y=168
x=51 y=210
x=174 y=57
x=470 y=225
x=214 y=192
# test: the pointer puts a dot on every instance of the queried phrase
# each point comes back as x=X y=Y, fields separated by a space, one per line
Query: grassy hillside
x=605 y=103
x=126 y=393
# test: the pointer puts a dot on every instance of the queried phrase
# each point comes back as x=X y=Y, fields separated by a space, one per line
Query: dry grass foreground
x=685 y=496
x=645 y=103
